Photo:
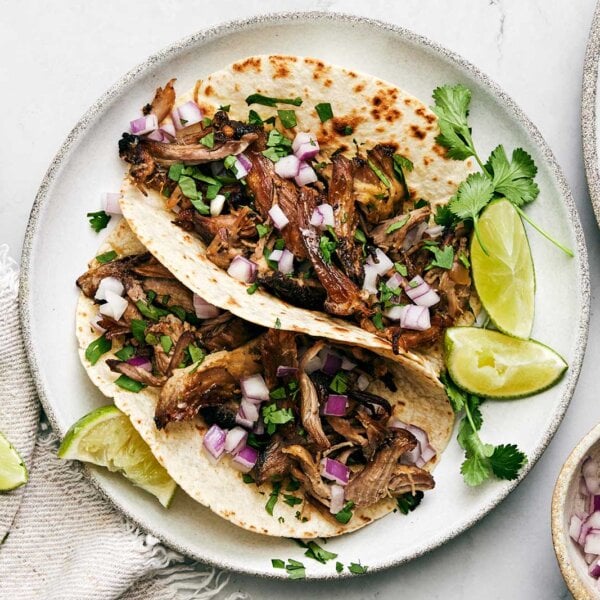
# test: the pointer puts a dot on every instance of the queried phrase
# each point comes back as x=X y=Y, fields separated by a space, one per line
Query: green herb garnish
x=97 y=348
x=278 y=563
x=254 y=118
x=270 y=505
x=138 y=329
x=443 y=257
x=357 y=569
x=400 y=268
x=175 y=171
x=409 y=501
x=131 y=385
x=287 y=118
x=347 y=130
x=327 y=247
x=397 y=225
x=166 y=342
x=295 y=569
x=98 y=220
x=292 y=485
x=262 y=230
x=197 y=355
x=504 y=461
x=379 y=173
x=292 y=500
x=252 y=288
x=208 y=140
x=377 y=319
x=106 y=257
x=317 y=553
x=345 y=514
x=339 y=384
x=125 y=353
x=247 y=478
x=269 y=101
x=339 y=567
x=277 y=323
x=274 y=416
x=324 y=111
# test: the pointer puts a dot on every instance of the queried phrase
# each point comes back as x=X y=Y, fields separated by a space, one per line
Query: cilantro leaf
x=327 y=247
x=379 y=173
x=345 y=514
x=295 y=569
x=443 y=257
x=97 y=348
x=409 y=501
x=444 y=216
x=270 y=505
x=317 y=553
x=287 y=118
x=397 y=225
x=475 y=470
x=274 y=416
x=506 y=461
x=98 y=220
x=292 y=500
x=208 y=140
x=513 y=179
x=357 y=569
x=278 y=563
x=339 y=567
x=269 y=101
x=324 y=111
x=106 y=257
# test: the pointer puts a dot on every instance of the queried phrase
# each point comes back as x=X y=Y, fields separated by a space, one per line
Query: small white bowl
x=570 y=557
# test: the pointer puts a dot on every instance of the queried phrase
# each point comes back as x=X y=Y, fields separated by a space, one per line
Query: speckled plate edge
x=407 y=35
x=589 y=113
x=560 y=537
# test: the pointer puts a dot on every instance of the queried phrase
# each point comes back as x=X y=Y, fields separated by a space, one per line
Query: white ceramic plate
x=59 y=242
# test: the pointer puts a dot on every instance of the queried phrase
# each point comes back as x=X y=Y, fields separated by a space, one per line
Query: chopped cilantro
x=254 y=118
x=274 y=416
x=278 y=393
x=208 y=140
x=402 y=164
x=252 y=288
x=357 y=569
x=206 y=122
x=421 y=203
x=262 y=230
x=292 y=485
x=409 y=501
x=270 y=505
x=278 y=563
x=317 y=553
x=397 y=225
x=97 y=348
x=400 y=268
x=339 y=384
x=287 y=118
x=225 y=108
x=276 y=138
x=166 y=342
x=292 y=500
x=275 y=153
x=464 y=259
x=125 y=353
x=197 y=355
x=359 y=236
x=327 y=247
x=377 y=319
x=295 y=569
x=131 y=385
x=379 y=173
x=175 y=171
x=247 y=478
x=106 y=257
x=138 y=329
x=277 y=323
x=98 y=220
x=347 y=130
x=268 y=101
x=345 y=514
x=443 y=257
x=339 y=567
x=324 y=111
x=444 y=216
x=299 y=516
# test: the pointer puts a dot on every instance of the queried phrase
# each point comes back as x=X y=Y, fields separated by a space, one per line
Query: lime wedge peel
x=106 y=437
x=13 y=472
x=504 y=278
x=491 y=364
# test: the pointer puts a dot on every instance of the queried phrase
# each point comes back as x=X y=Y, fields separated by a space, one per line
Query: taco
x=308 y=195
x=276 y=431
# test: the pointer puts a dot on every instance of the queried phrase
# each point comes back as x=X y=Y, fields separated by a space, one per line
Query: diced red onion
x=110 y=203
x=589 y=558
x=250 y=408
x=204 y=309
x=242 y=269
x=381 y=262
x=287 y=166
x=322 y=216
x=217 y=204
x=143 y=362
x=335 y=405
x=286 y=262
x=414 y=235
x=115 y=305
x=423 y=452
x=336 y=503
x=278 y=216
x=243 y=420
x=395 y=281
x=590 y=472
x=305 y=175
x=585 y=529
x=594 y=568
x=276 y=255
x=259 y=427
x=593 y=521
x=592 y=542
x=301 y=138
x=362 y=383
x=582 y=487
x=245 y=162
x=370 y=280
x=254 y=386
x=144 y=124
x=214 y=441
x=395 y=313
x=187 y=114
x=307 y=151
x=109 y=284
x=159 y=136
x=334 y=470
x=239 y=169
x=314 y=364
x=168 y=128
x=235 y=440
x=416 y=318
x=435 y=231
x=283 y=371
x=420 y=292
x=94 y=322
x=347 y=364
x=332 y=363
x=245 y=459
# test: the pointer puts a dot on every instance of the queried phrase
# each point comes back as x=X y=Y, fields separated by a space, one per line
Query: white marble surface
x=57 y=59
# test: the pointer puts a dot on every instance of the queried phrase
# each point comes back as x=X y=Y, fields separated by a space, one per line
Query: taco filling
x=337 y=231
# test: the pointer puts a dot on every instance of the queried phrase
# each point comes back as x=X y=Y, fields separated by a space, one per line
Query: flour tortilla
x=377 y=111
x=419 y=400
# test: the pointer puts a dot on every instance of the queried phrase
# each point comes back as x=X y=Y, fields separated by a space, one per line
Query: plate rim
x=589 y=112
x=231 y=26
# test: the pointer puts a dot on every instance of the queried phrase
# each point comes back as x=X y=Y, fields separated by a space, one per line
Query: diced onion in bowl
x=242 y=269
x=109 y=284
x=110 y=203
x=187 y=114
x=204 y=309
x=278 y=216
x=144 y=125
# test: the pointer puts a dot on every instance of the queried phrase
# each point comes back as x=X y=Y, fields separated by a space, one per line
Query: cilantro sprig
x=499 y=177
x=481 y=460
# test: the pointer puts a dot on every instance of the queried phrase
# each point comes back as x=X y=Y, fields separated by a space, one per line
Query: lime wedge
x=489 y=363
x=504 y=278
x=13 y=473
x=107 y=438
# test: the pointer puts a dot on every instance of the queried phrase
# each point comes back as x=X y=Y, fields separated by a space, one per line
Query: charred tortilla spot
x=435 y=178
x=279 y=66
x=376 y=114
x=427 y=160
x=328 y=83
x=208 y=90
x=407 y=101
x=393 y=115
x=377 y=101
x=439 y=150
x=380 y=129
x=252 y=63
x=359 y=87
x=417 y=132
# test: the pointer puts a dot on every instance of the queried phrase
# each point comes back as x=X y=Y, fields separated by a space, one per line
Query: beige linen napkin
x=62 y=540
